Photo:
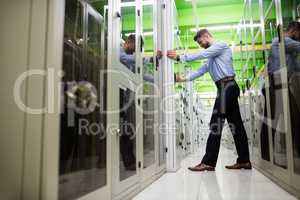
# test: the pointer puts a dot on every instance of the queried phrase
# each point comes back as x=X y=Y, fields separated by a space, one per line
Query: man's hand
x=180 y=78
x=159 y=54
x=172 y=54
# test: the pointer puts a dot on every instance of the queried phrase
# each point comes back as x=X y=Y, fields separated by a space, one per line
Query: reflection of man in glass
x=292 y=50
x=127 y=56
x=127 y=128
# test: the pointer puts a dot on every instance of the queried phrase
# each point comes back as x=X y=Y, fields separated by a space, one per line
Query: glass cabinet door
x=271 y=34
x=290 y=16
x=83 y=145
x=124 y=99
x=149 y=86
x=276 y=91
x=126 y=127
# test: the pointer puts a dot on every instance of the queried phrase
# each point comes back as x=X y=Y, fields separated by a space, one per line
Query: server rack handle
x=279 y=32
x=118 y=15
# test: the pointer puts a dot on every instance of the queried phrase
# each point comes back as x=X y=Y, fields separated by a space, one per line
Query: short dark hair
x=131 y=38
x=293 y=26
x=200 y=33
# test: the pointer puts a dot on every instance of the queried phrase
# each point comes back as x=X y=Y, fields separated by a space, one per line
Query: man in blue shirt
x=220 y=67
x=292 y=50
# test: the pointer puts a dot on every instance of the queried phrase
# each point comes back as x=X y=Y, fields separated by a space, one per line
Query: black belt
x=225 y=80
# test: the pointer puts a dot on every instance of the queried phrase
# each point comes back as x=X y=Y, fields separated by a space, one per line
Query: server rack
x=273 y=110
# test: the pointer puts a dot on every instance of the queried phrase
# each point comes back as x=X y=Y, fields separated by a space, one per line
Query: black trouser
x=264 y=134
x=127 y=150
x=226 y=107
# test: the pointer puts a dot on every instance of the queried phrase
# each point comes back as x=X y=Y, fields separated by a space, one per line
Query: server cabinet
x=134 y=100
x=83 y=137
x=151 y=93
x=66 y=50
x=23 y=68
x=125 y=103
x=289 y=11
x=274 y=98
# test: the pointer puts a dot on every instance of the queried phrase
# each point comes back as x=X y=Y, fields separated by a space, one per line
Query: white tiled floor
x=219 y=185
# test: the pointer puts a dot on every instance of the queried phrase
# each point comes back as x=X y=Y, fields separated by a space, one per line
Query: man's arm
x=148 y=78
x=193 y=75
x=127 y=59
x=200 y=72
x=215 y=50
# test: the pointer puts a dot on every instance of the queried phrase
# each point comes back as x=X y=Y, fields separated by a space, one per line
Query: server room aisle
x=219 y=185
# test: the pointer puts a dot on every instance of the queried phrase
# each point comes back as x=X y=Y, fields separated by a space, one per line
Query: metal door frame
x=294 y=180
x=149 y=173
x=161 y=44
x=130 y=186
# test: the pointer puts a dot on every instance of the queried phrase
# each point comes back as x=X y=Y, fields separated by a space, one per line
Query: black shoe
x=246 y=165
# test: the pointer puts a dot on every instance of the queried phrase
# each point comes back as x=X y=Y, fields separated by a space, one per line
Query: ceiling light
x=133 y=4
x=144 y=34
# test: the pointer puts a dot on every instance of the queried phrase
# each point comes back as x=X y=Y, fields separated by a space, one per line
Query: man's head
x=293 y=30
x=129 y=44
x=204 y=38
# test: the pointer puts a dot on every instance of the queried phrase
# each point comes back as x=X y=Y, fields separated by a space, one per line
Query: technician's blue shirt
x=219 y=62
x=129 y=61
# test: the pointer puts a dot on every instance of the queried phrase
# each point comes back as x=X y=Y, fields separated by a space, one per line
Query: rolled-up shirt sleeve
x=127 y=59
x=214 y=50
x=201 y=71
x=148 y=78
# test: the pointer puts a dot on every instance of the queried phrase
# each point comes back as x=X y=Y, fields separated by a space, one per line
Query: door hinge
x=139 y=102
x=139 y=70
x=164 y=6
x=139 y=13
x=166 y=150
x=140 y=164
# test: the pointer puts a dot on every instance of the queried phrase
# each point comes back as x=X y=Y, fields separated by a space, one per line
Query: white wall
x=14 y=34
x=22 y=48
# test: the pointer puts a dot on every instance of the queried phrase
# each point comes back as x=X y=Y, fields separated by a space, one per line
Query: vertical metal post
x=284 y=78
